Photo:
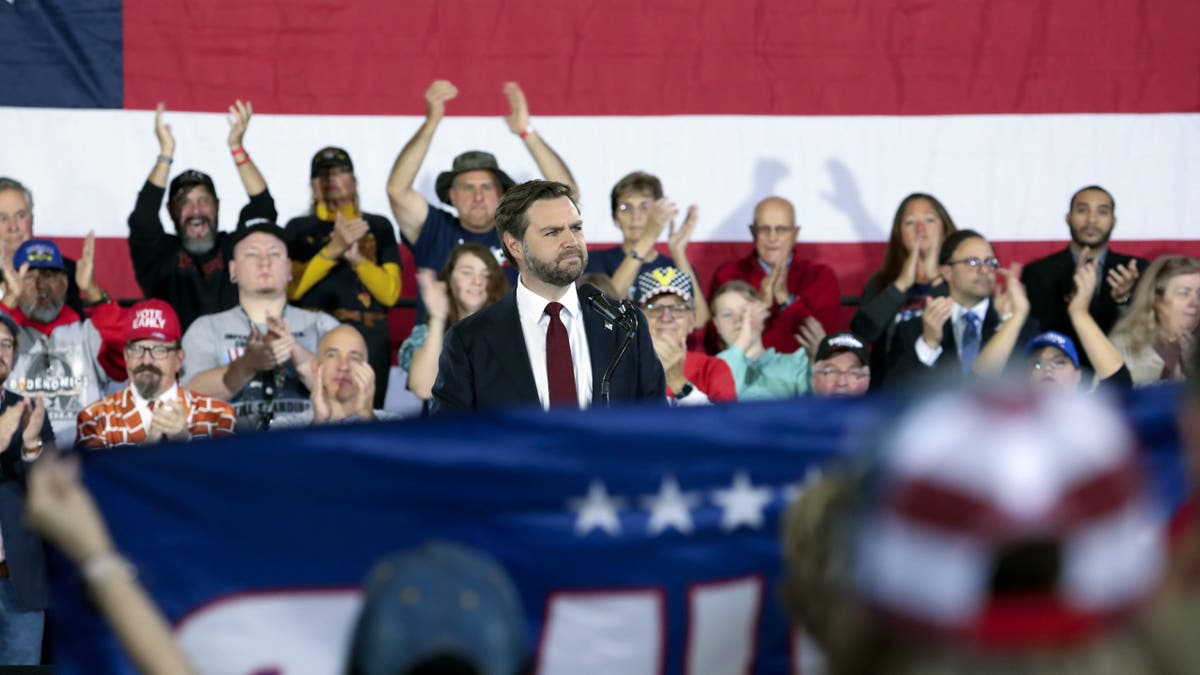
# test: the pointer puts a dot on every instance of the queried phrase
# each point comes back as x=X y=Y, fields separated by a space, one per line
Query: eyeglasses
x=768 y=230
x=1053 y=365
x=628 y=208
x=991 y=264
x=855 y=374
x=659 y=310
x=159 y=352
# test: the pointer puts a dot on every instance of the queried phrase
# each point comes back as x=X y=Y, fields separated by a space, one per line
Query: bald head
x=339 y=352
x=774 y=230
x=344 y=335
x=774 y=211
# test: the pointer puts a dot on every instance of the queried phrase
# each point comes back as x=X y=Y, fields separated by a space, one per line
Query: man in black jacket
x=950 y=333
x=543 y=343
x=189 y=269
x=1050 y=282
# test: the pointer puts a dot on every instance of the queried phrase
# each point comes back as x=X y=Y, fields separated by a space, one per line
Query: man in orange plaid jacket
x=154 y=407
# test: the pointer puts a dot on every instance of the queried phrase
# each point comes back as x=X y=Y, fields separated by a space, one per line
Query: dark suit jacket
x=1050 y=281
x=903 y=358
x=484 y=363
x=23 y=550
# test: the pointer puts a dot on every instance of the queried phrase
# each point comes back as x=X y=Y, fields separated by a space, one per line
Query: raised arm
x=677 y=242
x=1105 y=358
x=239 y=120
x=166 y=150
x=995 y=354
x=424 y=368
x=664 y=211
x=408 y=206
x=549 y=163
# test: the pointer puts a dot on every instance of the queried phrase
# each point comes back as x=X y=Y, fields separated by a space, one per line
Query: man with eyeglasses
x=154 y=407
x=794 y=289
x=641 y=212
x=949 y=334
x=347 y=261
x=841 y=367
x=693 y=378
x=1091 y=218
x=189 y=268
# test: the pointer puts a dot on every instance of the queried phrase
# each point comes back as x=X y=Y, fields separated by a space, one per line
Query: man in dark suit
x=542 y=343
x=949 y=334
x=24 y=589
x=1050 y=281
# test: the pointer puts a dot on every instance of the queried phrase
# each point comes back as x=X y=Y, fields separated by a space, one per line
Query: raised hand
x=770 y=284
x=1015 y=299
x=1121 y=280
x=436 y=96
x=14 y=278
x=166 y=141
x=239 y=119
x=345 y=233
x=320 y=406
x=671 y=354
x=258 y=354
x=810 y=336
x=169 y=421
x=1085 y=288
x=33 y=426
x=929 y=261
x=678 y=238
x=435 y=294
x=62 y=510
x=85 y=269
x=933 y=320
x=908 y=273
x=518 y=118
x=364 y=379
x=279 y=339
x=10 y=421
x=661 y=214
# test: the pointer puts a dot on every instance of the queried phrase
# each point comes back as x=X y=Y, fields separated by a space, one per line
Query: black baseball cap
x=328 y=158
x=189 y=179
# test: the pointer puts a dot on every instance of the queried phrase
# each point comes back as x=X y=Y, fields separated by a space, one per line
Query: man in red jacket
x=795 y=289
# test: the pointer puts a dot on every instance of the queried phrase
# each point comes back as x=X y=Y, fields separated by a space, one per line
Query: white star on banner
x=597 y=511
x=670 y=507
x=742 y=503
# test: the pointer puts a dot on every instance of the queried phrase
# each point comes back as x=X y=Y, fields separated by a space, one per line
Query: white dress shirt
x=531 y=310
x=143 y=405
x=958 y=324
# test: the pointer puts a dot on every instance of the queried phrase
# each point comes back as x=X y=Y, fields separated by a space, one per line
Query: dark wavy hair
x=893 y=259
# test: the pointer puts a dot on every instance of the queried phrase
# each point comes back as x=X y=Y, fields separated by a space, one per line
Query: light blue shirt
x=770 y=376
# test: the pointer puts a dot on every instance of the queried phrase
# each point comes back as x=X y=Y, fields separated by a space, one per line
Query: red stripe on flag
x=808 y=57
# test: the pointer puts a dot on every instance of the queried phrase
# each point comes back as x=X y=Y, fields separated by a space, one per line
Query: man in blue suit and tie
x=543 y=343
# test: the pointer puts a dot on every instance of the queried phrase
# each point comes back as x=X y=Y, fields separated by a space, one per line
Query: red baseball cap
x=153 y=320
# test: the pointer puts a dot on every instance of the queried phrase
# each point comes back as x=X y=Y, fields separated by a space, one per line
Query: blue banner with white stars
x=642 y=541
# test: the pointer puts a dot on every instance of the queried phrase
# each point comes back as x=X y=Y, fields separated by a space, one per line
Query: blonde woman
x=1158 y=333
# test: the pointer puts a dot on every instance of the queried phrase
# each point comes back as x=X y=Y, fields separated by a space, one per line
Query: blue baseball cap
x=39 y=253
x=1057 y=340
x=441 y=599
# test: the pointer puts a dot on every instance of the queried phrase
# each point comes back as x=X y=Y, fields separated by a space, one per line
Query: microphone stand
x=630 y=325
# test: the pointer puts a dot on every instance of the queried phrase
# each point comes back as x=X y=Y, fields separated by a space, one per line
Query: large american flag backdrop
x=1000 y=109
x=643 y=542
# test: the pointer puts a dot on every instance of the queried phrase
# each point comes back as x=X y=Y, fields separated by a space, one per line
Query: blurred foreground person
x=62 y=510
x=1030 y=553
x=439 y=609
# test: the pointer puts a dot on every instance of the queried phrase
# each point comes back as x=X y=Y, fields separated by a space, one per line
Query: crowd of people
x=264 y=325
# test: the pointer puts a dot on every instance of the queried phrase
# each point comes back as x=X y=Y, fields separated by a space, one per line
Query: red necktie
x=560 y=369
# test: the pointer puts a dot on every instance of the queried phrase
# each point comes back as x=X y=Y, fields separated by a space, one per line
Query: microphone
x=618 y=313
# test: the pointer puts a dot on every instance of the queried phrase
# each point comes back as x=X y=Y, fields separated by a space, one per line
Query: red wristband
x=237 y=150
x=526 y=132
x=244 y=160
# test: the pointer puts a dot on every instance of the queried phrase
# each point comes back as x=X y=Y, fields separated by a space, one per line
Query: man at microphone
x=548 y=341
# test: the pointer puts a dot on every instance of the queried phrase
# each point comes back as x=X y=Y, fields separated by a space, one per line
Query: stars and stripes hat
x=662 y=280
x=1007 y=519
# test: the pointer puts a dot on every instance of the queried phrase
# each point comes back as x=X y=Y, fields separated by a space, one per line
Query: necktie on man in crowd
x=970 y=341
x=560 y=369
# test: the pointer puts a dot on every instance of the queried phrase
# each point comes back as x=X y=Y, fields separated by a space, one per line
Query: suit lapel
x=507 y=341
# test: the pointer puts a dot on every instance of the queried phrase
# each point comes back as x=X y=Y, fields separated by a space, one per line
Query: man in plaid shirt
x=154 y=407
